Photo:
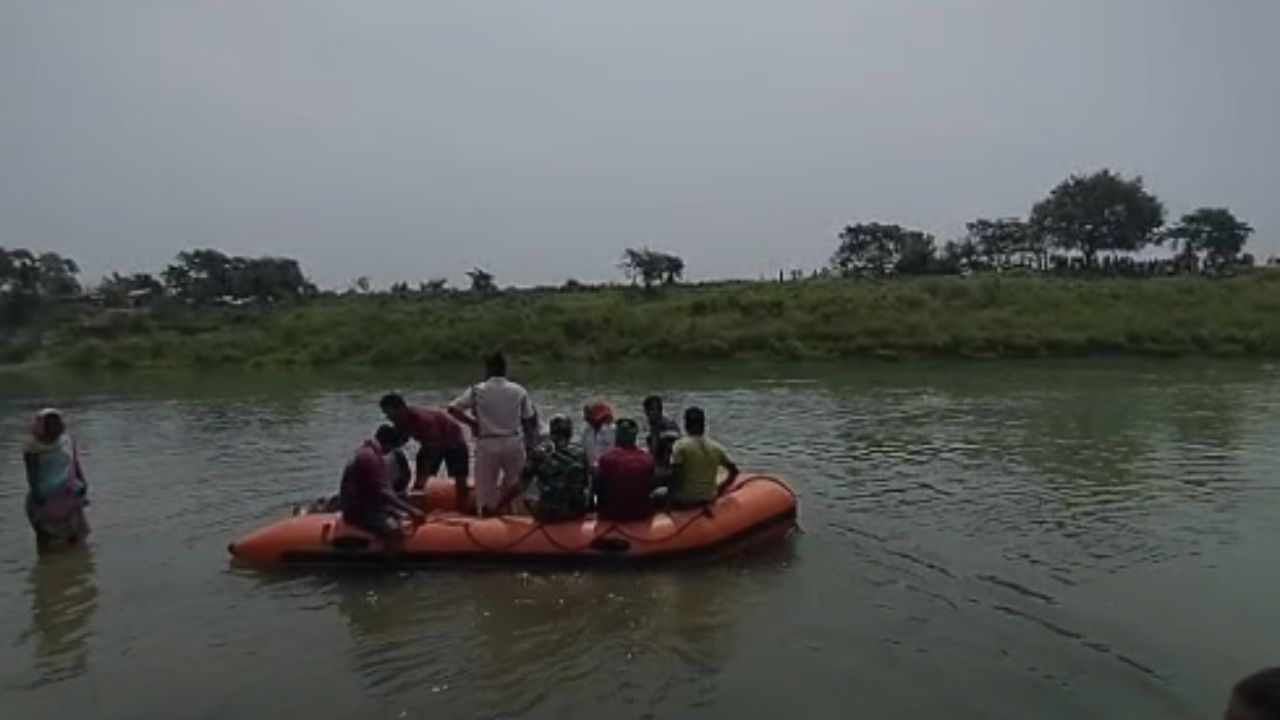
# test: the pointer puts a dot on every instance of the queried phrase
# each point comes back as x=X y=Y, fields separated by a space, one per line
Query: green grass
x=976 y=317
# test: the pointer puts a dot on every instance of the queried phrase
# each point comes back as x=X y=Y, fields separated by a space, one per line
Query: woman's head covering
x=47 y=426
x=598 y=412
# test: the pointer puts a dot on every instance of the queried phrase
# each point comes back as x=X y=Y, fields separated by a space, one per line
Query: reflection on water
x=63 y=600
x=508 y=643
x=1050 y=541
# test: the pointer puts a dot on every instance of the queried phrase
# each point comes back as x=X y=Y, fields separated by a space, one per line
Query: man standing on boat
x=503 y=421
x=440 y=442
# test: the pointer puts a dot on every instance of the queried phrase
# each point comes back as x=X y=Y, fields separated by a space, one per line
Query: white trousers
x=499 y=463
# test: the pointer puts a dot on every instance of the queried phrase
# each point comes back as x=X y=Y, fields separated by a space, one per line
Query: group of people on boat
x=520 y=466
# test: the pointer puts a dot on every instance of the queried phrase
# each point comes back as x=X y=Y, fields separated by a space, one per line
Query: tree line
x=1094 y=222
x=28 y=280
x=209 y=275
x=642 y=266
x=1087 y=223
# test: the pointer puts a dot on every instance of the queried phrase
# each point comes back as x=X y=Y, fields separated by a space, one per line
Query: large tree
x=47 y=275
x=638 y=265
x=672 y=268
x=651 y=266
x=272 y=278
x=199 y=275
x=916 y=255
x=1099 y=212
x=28 y=279
x=58 y=276
x=958 y=255
x=1003 y=242
x=878 y=249
x=207 y=275
x=21 y=273
x=117 y=288
x=482 y=281
x=436 y=286
x=1214 y=234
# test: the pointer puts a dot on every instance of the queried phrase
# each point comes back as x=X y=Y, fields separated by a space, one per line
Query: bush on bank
x=986 y=316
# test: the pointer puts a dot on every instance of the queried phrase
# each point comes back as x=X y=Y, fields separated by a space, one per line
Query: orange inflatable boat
x=755 y=504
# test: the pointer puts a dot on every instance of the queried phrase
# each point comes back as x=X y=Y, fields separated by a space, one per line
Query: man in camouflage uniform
x=558 y=469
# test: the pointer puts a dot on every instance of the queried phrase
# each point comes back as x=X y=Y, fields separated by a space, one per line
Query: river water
x=979 y=541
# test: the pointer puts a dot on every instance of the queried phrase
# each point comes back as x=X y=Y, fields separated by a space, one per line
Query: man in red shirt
x=440 y=442
x=367 y=501
x=625 y=480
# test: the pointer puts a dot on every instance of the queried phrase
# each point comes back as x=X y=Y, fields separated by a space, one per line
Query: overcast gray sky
x=414 y=139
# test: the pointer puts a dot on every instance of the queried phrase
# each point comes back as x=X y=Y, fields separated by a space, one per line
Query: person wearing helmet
x=557 y=469
x=625 y=479
x=597 y=431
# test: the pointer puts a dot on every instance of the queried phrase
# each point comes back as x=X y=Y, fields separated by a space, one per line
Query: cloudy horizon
x=405 y=140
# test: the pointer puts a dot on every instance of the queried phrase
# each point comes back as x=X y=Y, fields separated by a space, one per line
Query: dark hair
x=626 y=431
x=392 y=401
x=1260 y=692
x=496 y=365
x=560 y=426
x=653 y=402
x=390 y=436
x=695 y=421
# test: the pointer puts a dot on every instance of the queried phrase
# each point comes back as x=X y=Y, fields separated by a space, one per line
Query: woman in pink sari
x=57 y=491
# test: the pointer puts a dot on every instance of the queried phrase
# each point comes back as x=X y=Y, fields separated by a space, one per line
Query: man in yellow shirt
x=696 y=461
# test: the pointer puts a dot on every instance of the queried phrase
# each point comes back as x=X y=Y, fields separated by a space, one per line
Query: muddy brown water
x=1049 y=540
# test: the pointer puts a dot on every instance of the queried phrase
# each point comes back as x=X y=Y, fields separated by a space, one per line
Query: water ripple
x=979 y=519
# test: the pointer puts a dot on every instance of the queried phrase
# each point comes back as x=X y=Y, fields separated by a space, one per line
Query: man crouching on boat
x=368 y=502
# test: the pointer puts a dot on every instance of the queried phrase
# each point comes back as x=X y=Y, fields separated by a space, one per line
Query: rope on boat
x=613 y=527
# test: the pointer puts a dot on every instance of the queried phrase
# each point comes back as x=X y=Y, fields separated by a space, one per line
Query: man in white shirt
x=500 y=416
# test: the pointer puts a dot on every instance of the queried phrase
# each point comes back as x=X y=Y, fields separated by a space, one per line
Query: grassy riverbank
x=975 y=317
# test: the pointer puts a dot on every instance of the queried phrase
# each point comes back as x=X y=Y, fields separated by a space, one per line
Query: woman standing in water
x=57 y=491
